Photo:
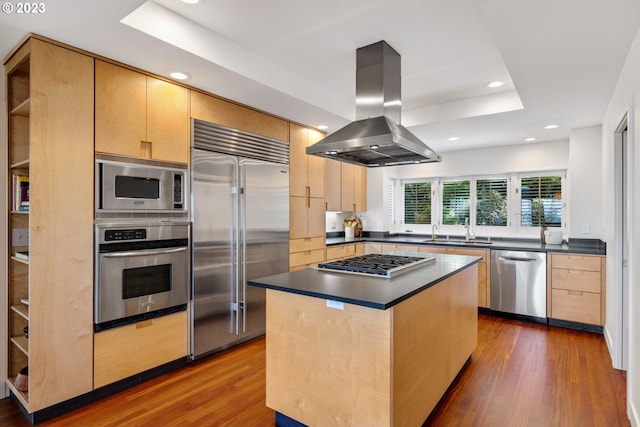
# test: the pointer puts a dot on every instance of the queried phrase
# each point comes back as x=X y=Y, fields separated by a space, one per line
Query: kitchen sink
x=459 y=242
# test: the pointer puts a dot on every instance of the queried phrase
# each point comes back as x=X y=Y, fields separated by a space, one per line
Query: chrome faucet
x=466 y=225
x=434 y=227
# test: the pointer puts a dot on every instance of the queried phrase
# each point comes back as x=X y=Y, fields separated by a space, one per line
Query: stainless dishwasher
x=519 y=283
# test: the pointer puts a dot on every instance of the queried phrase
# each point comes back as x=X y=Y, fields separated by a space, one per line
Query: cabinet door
x=360 y=188
x=297 y=161
x=129 y=350
x=333 y=185
x=168 y=121
x=120 y=110
x=348 y=200
x=316 y=218
x=315 y=167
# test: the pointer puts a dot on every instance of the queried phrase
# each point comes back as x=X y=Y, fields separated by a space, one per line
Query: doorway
x=623 y=230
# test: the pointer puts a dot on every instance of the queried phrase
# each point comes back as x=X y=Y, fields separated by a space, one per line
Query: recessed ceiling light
x=551 y=126
x=332 y=152
x=529 y=139
x=179 y=75
x=191 y=1
x=323 y=127
x=453 y=138
x=495 y=84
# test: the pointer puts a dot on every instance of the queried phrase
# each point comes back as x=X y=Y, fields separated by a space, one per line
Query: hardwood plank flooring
x=521 y=374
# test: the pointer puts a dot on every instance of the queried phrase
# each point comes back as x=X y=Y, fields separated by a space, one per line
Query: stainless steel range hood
x=376 y=138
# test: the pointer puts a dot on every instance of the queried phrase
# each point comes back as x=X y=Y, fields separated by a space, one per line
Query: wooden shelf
x=20 y=212
x=22 y=310
x=22 y=343
x=20 y=260
x=22 y=396
x=22 y=109
x=24 y=164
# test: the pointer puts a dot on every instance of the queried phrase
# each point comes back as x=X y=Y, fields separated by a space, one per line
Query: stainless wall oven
x=141 y=271
x=135 y=187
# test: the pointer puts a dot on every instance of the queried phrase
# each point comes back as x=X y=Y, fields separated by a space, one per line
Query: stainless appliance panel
x=214 y=250
x=140 y=268
x=265 y=236
x=519 y=282
x=240 y=212
x=129 y=187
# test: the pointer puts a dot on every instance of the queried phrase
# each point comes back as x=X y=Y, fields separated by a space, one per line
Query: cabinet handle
x=145 y=149
x=577 y=293
x=308 y=190
x=354 y=207
x=575 y=272
x=145 y=323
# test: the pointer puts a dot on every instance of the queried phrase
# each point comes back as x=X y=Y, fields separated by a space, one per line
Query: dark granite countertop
x=369 y=291
x=578 y=246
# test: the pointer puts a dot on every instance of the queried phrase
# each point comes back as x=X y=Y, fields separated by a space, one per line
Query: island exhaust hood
x=376 y=138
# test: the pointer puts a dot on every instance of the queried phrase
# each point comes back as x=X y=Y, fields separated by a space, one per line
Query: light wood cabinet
x=131 y=349
x=306 y=173
x=306 y=202
x=346 y=187
x=50 y=96
x=341 y=251
x=226 y=113
x=576 y=291
x=483 y=269
x=139 y=115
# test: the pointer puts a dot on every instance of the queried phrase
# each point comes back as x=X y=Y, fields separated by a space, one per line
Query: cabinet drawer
x=340 y=251
x=576 y=262
x=575 y=280
x=306 y=244
x=306 y=257
x=390 y=247
x=129 y=350
x=575 y=306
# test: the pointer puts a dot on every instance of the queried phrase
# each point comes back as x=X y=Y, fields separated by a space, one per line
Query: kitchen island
x=346 y=349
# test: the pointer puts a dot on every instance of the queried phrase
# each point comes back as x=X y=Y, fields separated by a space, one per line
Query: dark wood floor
x=521 y=374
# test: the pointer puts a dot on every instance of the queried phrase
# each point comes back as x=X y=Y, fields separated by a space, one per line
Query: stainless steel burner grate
x=380 y=265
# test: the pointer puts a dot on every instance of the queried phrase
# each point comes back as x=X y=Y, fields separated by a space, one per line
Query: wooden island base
x=361 y=366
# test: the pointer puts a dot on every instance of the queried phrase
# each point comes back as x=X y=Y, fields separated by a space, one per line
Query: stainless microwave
x=126 y=187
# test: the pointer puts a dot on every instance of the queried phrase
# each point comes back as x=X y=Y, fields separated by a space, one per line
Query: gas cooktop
x=377 y=265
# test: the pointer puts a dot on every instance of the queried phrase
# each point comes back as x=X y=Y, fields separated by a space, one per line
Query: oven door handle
x=143 y=253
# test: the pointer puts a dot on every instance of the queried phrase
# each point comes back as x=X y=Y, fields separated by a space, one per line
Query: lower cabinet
x=305 y=252
x=483 y=271
x=576 y=288
x=128 y=350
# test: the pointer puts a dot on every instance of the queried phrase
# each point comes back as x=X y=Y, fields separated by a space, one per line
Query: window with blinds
x=541 y=201
x=455 y=202
x=417 y=203
x=491 y=202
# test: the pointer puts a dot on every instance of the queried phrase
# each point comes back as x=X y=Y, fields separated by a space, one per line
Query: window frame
x=514 y=193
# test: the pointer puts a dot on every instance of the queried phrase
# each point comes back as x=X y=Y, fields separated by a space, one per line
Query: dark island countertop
x=369 y=291
x=577 y=246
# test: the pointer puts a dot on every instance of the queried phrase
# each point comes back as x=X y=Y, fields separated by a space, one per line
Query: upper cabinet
x=306 y=172
x=346 y=187
x=140 y=116
x=216 y=110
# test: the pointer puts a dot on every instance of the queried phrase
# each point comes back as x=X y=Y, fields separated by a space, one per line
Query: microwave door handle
x=143 y=253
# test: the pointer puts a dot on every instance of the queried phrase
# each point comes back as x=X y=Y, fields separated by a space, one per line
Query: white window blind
x=541 y=201
x=455 y=202
x=491 y=202
x=417 y=202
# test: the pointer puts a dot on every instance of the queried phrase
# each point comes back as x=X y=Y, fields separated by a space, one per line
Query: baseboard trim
x=634 y=417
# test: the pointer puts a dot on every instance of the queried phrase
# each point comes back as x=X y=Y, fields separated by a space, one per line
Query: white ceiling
x=559 y=59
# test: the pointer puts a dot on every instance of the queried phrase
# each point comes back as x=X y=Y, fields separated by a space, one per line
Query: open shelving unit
x=18 y=86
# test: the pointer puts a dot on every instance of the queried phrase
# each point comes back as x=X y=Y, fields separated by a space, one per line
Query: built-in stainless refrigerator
x=240 y=211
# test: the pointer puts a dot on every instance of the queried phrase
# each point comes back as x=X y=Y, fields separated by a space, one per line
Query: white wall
x=580 y=156
x=585 y=183
x=625 y=100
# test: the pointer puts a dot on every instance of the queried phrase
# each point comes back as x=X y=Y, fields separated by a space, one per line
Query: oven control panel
x=119 y=235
